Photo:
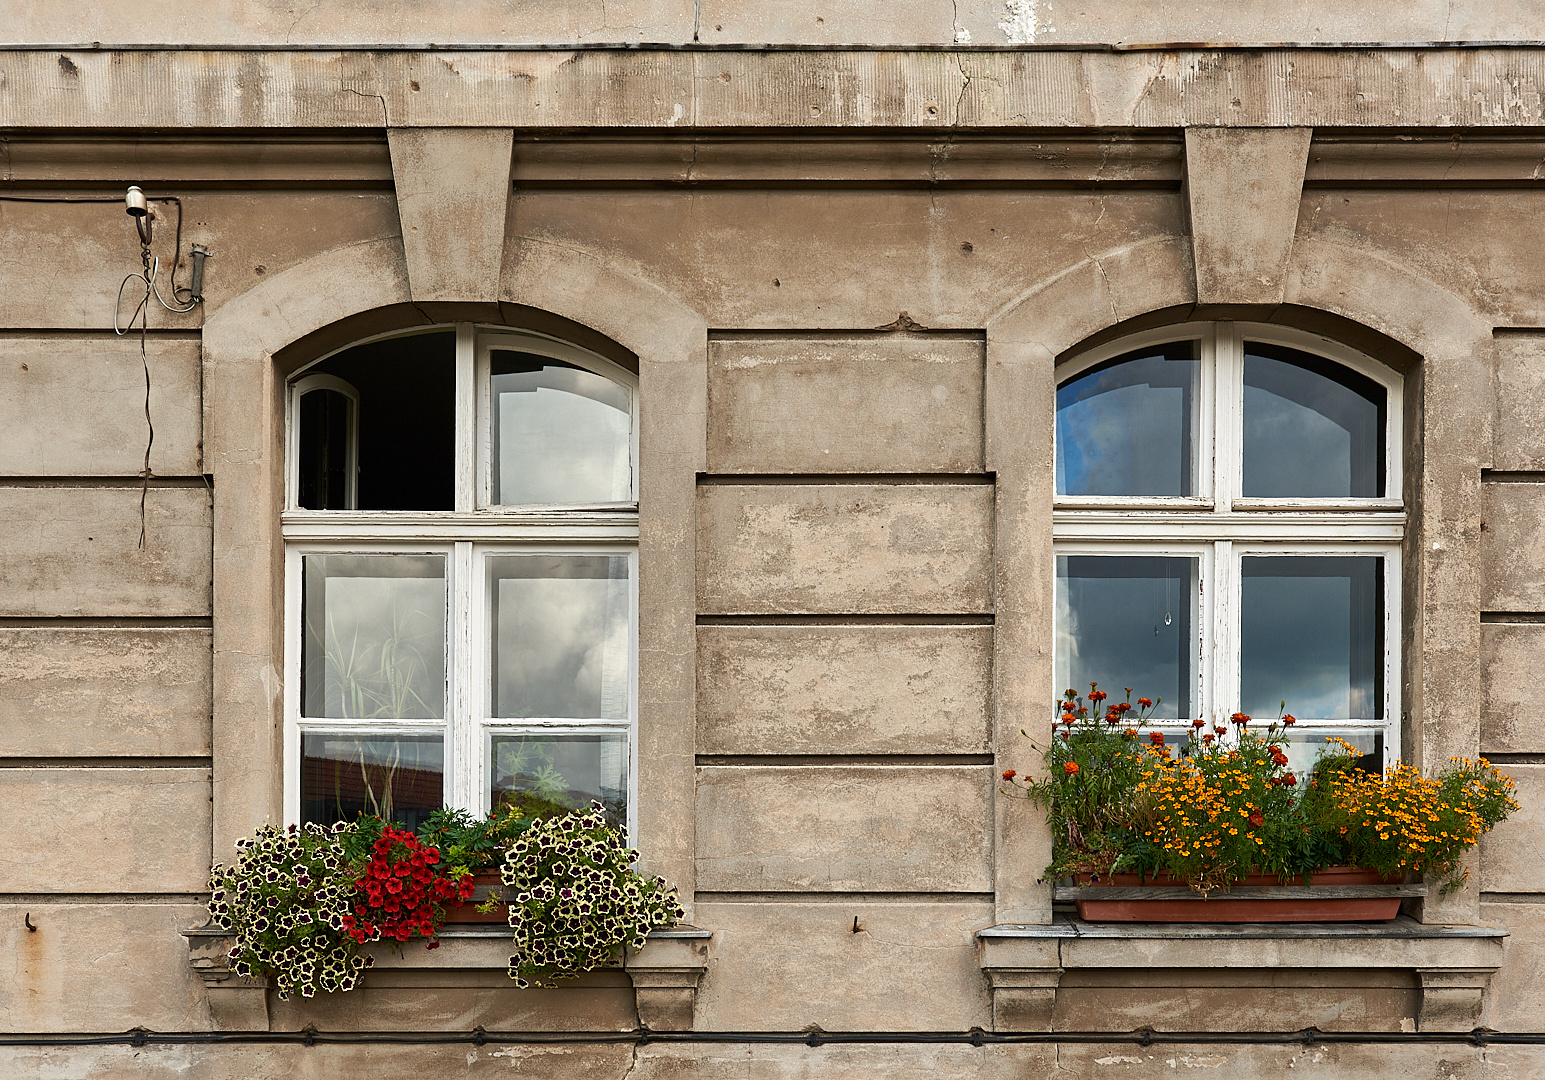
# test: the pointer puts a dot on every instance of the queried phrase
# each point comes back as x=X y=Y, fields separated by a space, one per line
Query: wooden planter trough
x=463 y=913
x=1339 y=894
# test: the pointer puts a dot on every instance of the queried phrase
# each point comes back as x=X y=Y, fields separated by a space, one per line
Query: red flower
x=1009 y=774
x=1290 y=719
x=1256 y=819
x=1198 y=723
x=1098 y=695
x=1221 y=730
x=1069 y=767
x=1240 y=718
x=1207 y=739
x=1156 y=737
x=1146 y=703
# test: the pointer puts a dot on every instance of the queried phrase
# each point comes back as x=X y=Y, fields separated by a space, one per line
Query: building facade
x=824 y=289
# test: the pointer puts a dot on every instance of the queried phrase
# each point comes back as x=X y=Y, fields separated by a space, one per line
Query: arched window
x=1228 y=529
x=461 y=543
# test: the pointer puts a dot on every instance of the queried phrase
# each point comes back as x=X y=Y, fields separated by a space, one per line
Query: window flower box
x=487 y=885
x=1217 y=827
x=1337 y=894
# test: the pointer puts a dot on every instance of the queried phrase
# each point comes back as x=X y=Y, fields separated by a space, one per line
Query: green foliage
x=286 y=898
x=575 y=898
x=468 y=844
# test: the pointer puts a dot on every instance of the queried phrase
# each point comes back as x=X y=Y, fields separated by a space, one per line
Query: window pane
x=399 y=778
x=1128 y=620
x=560 y=636
x=1304 y=746
x=407 y=422
x=1128 y=426
x=561 y=434
x=551 y=774
x=1312 y=634
x=375 y=637
x=1312 y=428
x=324 y=450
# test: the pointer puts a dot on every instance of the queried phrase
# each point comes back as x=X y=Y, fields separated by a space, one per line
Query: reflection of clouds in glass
x=562 y=437
x=375 y=637
x=1291 y=450
x=1124 y=429
x=1310 y=639
x=561 y=626
x=1310 y=433
x=1127 y=621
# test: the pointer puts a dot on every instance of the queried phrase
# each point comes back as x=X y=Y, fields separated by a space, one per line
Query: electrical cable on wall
x=137 y=206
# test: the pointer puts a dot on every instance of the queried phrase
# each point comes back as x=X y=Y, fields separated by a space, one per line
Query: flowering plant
x=1217 y=810
x=286 y=898
x=1404 y=821
x=400 y=891
x=575 y=898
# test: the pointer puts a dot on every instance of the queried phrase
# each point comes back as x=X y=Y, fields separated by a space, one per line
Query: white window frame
x=1227 y=527
x=465 y=536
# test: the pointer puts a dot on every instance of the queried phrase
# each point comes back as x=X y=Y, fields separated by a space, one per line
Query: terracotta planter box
x=463 y=913
x=1340 y=894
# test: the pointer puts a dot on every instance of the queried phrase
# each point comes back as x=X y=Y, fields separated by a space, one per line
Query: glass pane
x=561 y=434
x=551 y=774
x=1304 y=746
x=560 y=636
x=1129 y=620
x=1312 y=428
x=406 y=424
x=1312 y=634
x=1128 y=426
x=399 y=778
x=324 y=450
x=375 y=637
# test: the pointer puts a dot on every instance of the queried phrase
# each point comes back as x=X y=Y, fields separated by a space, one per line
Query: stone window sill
x=664 y=973
x=1025 y=963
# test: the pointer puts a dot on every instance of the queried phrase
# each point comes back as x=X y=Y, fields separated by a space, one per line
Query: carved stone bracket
x=236 y=1002
x=1024 y=963
x=665 y=974
x=1453 y=999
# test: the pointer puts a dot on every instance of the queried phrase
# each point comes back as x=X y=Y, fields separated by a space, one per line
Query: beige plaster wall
x=107 y=830
x=984 y=22
x=911 y=689
x=842 y=548
x=847 y=628
x=99 y=691
x=99 y=966
x=74 y=551
x=786 y=259
x=883 y=404
x=74 y=405
x=688 y=1061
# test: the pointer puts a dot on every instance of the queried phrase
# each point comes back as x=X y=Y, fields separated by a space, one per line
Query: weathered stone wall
x=846 y=341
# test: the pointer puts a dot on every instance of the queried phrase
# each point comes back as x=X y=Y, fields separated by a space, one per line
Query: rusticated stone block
x=843 y=689
x=838 y=548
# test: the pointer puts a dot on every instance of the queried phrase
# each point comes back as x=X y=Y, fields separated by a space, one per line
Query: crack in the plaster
x=386 y=120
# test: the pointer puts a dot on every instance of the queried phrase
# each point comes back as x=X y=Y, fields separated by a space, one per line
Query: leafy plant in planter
x=575 y=898
x=1122 y=801
x=287 y=898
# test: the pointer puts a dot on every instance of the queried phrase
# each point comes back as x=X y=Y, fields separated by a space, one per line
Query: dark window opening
x=406 y=453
